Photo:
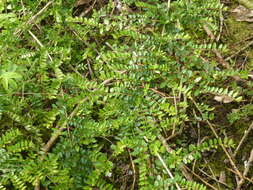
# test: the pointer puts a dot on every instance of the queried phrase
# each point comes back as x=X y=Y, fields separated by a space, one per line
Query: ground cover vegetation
x=122 y=94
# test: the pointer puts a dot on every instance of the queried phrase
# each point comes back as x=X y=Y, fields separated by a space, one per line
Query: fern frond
x=18 y=183
x=20 y=146
x=15 y=117
x=192 y=185
x=9 y=137
x=222 y=91
x=195 y=151
x=2 y=187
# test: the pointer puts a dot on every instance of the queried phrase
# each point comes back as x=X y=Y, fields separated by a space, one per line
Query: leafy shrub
x=109 y=84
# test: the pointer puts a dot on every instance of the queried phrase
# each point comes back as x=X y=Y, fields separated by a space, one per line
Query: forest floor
x=124 y=93
x=237 y=34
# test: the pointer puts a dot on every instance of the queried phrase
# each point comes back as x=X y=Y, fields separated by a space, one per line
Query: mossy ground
x=236 y=35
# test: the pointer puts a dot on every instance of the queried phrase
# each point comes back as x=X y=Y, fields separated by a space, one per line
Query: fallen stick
x=222 y=61
x=34 y=17
x=246 y=133
x=240 y=50
x=246 y=171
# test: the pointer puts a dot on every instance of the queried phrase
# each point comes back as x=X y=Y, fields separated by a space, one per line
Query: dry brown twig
x=46 y=148
x=246 y=170
x=164 y=165
x=161 y=93
x=246 y=133
x=175 y=134
x=168 y=4
x=222 y=61
x=176 y=109
x=34 y=17
x=240 y=50
x=213 y=178
x=244 y=177
x=222 y=146
x=81 y=2
x=40 y=44
x=54 y=137
x=88 y=10
x=217 y=53
x=201 y=179
x=169 y=150
x=133 y=167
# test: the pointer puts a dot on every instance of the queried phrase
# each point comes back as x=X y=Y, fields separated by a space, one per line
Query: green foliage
x=114 y=81
x=191 y=185
x=243 y=113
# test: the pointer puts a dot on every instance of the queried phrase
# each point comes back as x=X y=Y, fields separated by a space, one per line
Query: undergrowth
x=123 y=97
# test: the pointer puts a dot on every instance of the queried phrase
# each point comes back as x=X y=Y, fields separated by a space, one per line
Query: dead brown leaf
x=243 y=14
x=223 y=99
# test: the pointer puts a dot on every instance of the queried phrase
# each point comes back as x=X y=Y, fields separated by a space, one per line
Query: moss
x=238 y=31
x=236 y=37
x=250 y=58
x=217 y=166
x=247 y=3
